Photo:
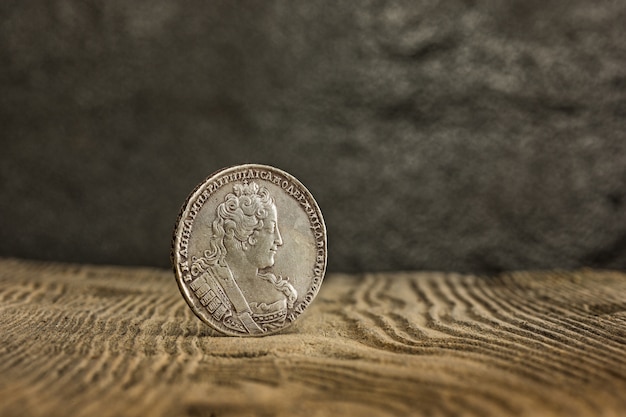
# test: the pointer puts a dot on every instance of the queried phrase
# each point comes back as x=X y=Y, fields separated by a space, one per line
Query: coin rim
x=184 y=211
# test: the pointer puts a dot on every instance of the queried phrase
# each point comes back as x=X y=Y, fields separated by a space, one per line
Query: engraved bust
x=232 y=278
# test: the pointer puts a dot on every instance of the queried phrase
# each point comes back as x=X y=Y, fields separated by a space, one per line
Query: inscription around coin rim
x=181 y=259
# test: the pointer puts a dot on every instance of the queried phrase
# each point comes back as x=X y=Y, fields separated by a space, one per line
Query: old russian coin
x=249 y=250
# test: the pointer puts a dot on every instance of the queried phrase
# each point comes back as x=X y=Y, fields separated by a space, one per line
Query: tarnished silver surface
x=249 y=250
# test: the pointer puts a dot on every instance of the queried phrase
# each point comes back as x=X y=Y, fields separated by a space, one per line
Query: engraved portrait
x=232 y=278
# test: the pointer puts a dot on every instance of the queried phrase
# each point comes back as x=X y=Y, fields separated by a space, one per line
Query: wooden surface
x=111 y=341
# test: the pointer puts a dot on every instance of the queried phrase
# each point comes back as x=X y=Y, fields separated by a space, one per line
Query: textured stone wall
x=449 y=135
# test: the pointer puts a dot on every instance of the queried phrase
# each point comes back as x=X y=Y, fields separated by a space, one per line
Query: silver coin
x=249 y=250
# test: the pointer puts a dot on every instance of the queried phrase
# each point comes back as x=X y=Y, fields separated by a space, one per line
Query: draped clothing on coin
x=219 y=293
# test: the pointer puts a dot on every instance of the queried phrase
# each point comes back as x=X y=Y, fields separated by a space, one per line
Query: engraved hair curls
x=239 y=217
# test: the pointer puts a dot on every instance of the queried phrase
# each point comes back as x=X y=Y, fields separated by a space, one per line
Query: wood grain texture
x=110 y=341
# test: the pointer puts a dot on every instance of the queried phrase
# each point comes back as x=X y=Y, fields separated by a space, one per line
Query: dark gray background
x=449 y=135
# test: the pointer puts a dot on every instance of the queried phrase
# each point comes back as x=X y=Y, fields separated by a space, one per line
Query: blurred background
x=476 y=135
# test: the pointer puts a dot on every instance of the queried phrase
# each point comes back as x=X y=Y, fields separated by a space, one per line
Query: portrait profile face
x=245 y=230
x=266 y=242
